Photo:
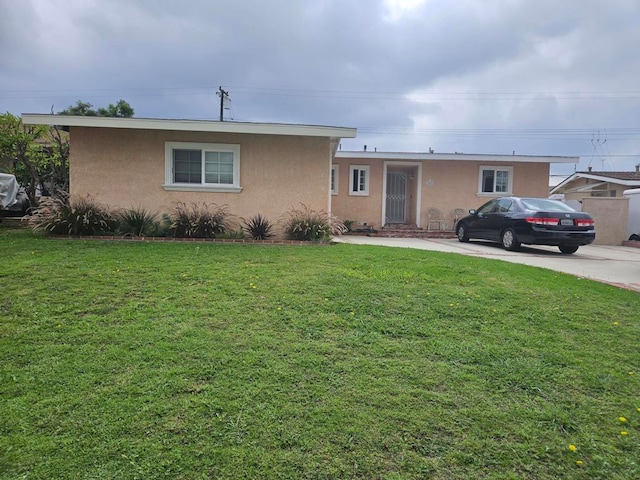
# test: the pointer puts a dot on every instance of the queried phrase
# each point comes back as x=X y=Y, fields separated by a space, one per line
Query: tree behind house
x=38 y=155
x=121 y=109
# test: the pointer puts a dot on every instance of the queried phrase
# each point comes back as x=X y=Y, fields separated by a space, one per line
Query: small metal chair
x=435 y=217
x=458 y=213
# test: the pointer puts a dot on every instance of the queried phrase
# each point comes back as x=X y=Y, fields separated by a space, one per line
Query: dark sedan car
x=534 y=221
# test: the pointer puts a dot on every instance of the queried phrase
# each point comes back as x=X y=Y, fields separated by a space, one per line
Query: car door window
x=487 y=207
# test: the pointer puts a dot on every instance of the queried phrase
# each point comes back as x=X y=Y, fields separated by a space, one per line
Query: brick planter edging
x=188 y=240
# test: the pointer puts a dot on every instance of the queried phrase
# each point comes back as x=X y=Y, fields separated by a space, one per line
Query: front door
x=396 y=197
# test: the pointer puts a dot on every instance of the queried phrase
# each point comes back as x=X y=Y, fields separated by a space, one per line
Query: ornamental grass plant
x=305 y=224
x=66 y=215
x=199 y=220
x=77 y=216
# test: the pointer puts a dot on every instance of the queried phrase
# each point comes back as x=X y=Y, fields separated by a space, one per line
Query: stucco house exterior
x=602 y=195
x=581 y=185
x=253 y=168
x=382 y=188
x=269 y=168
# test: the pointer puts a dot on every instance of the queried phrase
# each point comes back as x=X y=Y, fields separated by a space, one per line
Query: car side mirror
x=473 y=211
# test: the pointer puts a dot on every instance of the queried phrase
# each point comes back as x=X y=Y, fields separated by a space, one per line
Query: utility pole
x=222 y=94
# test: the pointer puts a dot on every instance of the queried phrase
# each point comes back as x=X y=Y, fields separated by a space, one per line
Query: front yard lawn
x=200 y=360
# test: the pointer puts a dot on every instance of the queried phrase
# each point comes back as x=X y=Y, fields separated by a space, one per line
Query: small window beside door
x=334 y=179
x=359 y=180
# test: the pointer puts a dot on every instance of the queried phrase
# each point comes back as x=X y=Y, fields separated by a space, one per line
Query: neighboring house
x=597 y=184
x=554 y=180
x=601 y=194
x=430 y=190
x=153 y=163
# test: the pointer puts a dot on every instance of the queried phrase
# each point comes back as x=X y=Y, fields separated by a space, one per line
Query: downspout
x=334 y=142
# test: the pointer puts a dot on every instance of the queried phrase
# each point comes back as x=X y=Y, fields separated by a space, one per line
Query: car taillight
x=584 y=222
x=543 y=220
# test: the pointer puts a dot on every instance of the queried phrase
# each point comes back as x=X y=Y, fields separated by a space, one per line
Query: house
x=269 y=168
x=601 y=194
x=597 y=184
x=154 y=163
x=430 y=190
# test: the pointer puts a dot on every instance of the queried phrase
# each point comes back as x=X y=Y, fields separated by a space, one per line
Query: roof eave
x=599 y=178
x=417 y=156
x=562 y=184
x=190 y=125
x=605 y=178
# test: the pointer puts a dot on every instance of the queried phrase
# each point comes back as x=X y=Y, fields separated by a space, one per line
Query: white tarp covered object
x=8 y=190
x=633 y=221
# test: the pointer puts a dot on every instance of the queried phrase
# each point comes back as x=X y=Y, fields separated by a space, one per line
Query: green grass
x=199 y=360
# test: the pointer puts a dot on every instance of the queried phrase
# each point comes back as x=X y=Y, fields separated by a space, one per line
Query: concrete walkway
x=619 y=266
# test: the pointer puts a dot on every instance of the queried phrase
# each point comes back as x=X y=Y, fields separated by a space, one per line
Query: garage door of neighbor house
x=396 y=197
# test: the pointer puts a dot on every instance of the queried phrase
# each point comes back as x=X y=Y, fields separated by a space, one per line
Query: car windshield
x=545 y=205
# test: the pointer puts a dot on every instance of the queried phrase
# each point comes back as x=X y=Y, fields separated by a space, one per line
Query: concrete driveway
x=619 y=266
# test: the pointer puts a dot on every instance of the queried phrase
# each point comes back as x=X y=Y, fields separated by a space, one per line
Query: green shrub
x=199 y=220
x=309 y=225
x=348 y=224
x=258 y=227
x=64 y=215
x=138 y=222
x=238 y=234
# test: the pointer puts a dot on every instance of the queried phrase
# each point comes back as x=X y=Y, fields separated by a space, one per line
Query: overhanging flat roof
x=190 y=125
x=604 y=177
x=473 y=157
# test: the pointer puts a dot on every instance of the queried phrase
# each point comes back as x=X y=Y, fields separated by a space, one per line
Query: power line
x=538 y=134
x=502 y=133
x=338 y=94
x=565 y=95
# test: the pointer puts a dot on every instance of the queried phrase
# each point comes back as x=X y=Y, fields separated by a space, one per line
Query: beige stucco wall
x=361 y=209
x=445 y=185
x=610 y=217
x=454 y=184
x=126 y=168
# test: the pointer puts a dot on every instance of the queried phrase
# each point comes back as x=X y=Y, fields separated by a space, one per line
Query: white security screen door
x=396 y=197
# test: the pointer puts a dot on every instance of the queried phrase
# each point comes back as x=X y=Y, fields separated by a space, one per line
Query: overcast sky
x=538 y=77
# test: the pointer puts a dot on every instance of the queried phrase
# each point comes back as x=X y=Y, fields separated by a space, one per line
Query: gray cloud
x=474 y=76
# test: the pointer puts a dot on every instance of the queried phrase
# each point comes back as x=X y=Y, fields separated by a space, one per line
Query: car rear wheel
x=510 y=240
x=463 y=235
x=568 y=249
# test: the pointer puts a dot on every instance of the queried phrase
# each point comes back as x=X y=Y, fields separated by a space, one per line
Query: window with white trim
x=334 y=179
x=495 y=180
x=359 y=180
x=202 y=166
